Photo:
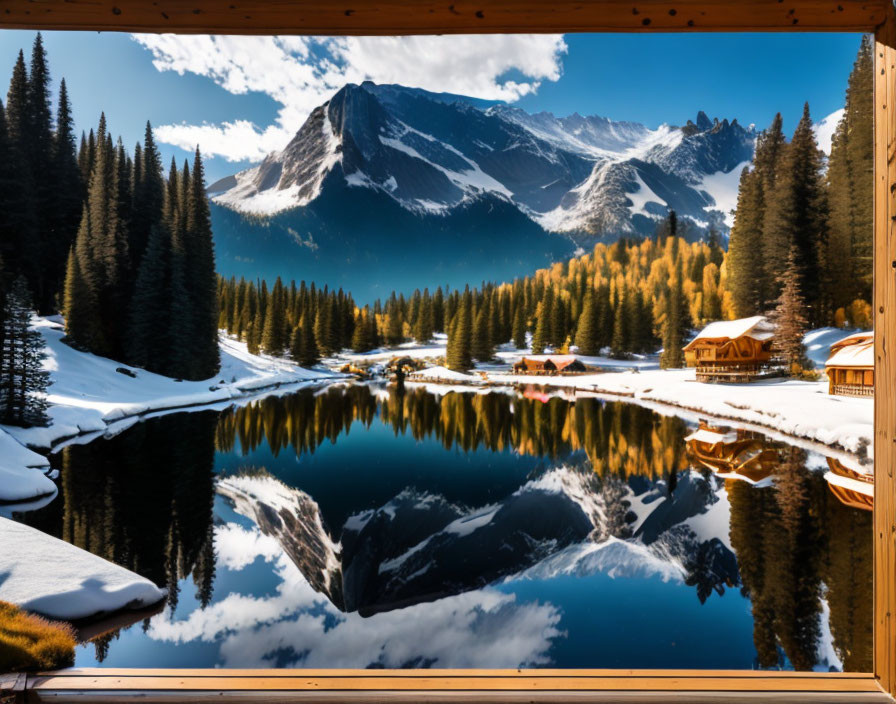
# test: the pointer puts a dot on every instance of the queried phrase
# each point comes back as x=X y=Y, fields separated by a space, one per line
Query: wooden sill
x=630 y=686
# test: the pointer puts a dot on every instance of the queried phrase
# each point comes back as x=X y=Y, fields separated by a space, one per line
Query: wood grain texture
x=329 y=686
x=470 y=697
x=885 y=364
x=378 y=17
x=359 y=17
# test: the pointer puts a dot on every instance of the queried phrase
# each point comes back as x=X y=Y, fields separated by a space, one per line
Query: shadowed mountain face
x=419 y=547
x=463 y=189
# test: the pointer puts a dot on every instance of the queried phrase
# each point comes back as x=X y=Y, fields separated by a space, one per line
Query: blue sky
x=240 y=97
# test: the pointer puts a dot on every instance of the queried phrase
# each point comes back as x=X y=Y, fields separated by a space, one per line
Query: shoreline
x=89 y=395
x=662 y=402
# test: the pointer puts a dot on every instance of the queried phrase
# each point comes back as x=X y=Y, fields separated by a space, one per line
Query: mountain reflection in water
x=361 y=525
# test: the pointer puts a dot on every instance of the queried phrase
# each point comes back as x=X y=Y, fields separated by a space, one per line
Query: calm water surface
x=365 y=526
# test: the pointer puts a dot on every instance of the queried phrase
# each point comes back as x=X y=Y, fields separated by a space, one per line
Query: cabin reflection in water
x=854 y=488
x=164 y=498
x=733 y=454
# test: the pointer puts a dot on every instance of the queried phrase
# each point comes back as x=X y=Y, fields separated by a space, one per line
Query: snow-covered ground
x=87 y=394
x=505 y=355
x=79 y=585
x=801 y=409
x=818 y=344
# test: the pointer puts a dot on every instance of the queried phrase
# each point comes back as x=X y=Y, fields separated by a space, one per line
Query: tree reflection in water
x=144 y=498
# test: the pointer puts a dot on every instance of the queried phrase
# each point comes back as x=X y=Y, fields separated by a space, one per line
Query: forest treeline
x=802 y=234
x=629 y=297
x=99 y=234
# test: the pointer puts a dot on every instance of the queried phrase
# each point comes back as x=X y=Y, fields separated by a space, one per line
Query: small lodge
x=549 y=364
x=733 y=351
x=850 y=368
x=736 y=454
x=852 y=488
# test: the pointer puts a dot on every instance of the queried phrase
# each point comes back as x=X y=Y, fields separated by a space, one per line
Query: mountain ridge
x=391 y=188
x=547 y=166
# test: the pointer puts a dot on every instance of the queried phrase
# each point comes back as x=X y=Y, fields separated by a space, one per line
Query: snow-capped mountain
x=416 y=169
x=420 y=547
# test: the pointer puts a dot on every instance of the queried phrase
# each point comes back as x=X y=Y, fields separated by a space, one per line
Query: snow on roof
x=756 y=327
x=56 y=579
x=711 y=437
x=865 y=488
x=555 y=358
x=857 y=353
x=854 y=339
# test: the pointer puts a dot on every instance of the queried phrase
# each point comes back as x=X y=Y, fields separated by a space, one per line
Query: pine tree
x=361 y=337
x=540 y=335
x=23 y=381
x=68 y=196
x=101 y=246
x=78 y=307
x=39 y=143
x=149 y=196
x=745 y=247
x=26 y=251
x=423 y=327
x=586 y=332
x=394 y=335
x=272 y=340
x=675 y=324
x=797 y=216
x=619 y=344
x=790 y=319
x=519 y=327
x=482 y=348
x=14 y=204
x=149 y=329
x=460 y=340
x=850 y=183
x=201 y=266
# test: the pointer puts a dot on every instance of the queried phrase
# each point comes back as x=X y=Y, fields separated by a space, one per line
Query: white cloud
x=236 y=547
x=300 y=73
x=481 y=628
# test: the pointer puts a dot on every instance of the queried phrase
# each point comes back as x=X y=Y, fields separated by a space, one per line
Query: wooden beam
x=363 y=17
x=884 y=360
x=98 y=685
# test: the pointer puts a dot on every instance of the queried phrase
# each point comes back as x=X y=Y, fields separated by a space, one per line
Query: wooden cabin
x=735 y=454
x=733 y=351
x=850 y=368
x=851 y=487
x=549 y=364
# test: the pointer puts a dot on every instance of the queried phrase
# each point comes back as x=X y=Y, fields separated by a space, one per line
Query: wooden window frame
x=390 y=17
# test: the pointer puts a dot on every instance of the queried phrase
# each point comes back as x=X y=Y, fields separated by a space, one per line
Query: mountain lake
x=369 y=525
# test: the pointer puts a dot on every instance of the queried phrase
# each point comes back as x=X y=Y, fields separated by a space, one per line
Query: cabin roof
x=757 y=327
x=561 y=361
x=566 y=358
x=854 y=339
x=853 y=351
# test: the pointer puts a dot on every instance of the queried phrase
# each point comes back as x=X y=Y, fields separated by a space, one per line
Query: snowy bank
x=88 y=393
x=444 y=374
x=802 y=409
x=80 y=584
x=22 y=472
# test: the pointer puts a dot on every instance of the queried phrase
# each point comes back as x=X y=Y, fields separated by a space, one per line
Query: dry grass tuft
x=28 y=642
